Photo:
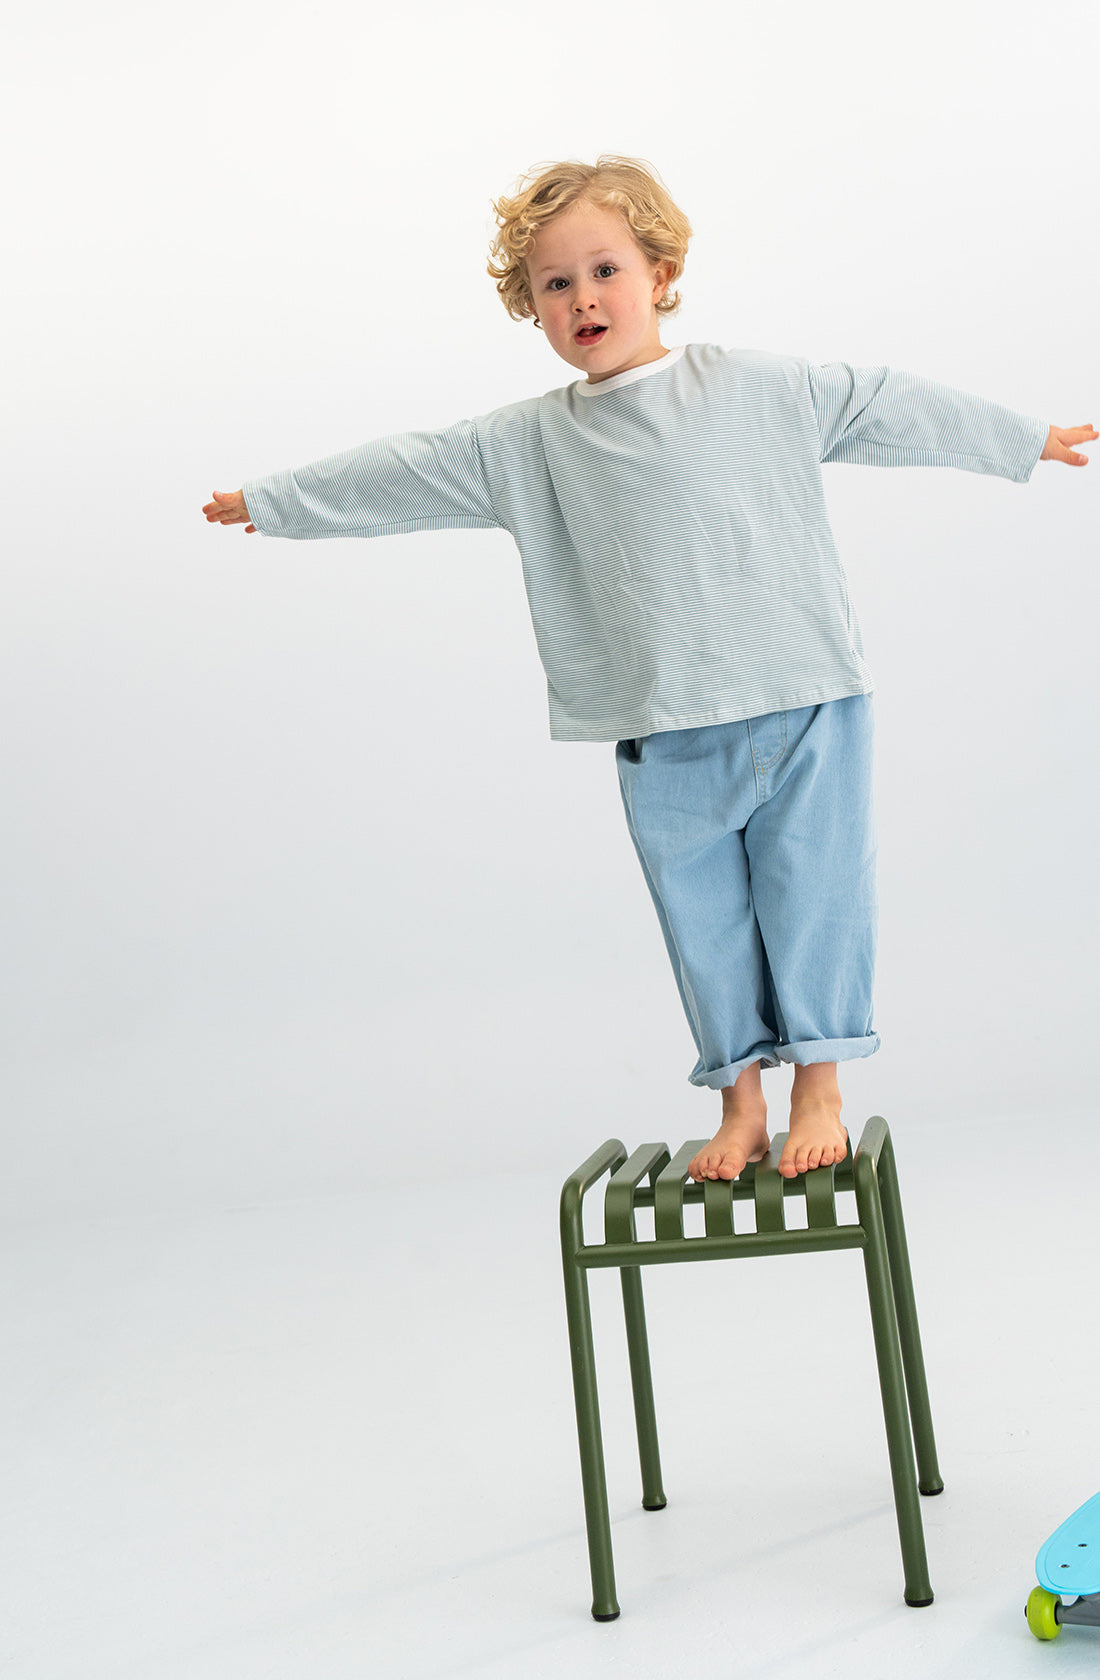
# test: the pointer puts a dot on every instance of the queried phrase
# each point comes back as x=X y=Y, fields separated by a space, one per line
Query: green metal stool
x=879 y=1231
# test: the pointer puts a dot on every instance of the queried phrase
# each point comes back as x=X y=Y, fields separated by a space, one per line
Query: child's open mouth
x=589 y=335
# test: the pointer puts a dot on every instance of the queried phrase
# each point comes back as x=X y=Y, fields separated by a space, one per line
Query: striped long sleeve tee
x=671 y=522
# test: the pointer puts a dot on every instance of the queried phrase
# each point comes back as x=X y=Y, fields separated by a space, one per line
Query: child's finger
x=1065 y=435
x=227 y=508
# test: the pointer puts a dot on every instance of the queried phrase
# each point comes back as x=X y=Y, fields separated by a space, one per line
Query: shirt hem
x=701 y=720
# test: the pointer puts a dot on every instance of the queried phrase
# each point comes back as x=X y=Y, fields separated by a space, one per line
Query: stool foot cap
x=654 y=1505
x=929 y=1492
x=605 y=1615
x=918 y=1603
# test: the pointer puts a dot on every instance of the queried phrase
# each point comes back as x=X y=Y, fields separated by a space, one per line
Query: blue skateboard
x=1068 y=1564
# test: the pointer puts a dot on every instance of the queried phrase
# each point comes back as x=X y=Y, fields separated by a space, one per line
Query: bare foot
x=817 y=1138
x=743 y=1135
x=737 y=1141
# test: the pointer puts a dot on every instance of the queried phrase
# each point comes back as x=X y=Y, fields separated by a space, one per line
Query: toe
x=833 y=1154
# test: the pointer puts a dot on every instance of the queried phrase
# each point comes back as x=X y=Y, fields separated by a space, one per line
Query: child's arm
x=882 y=417
x=413 y=481
x=1056 y=447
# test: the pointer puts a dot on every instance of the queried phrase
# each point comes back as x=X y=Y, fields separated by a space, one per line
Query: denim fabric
x=757 y=842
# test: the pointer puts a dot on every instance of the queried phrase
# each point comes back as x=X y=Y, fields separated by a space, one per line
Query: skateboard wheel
x=1040 y=1614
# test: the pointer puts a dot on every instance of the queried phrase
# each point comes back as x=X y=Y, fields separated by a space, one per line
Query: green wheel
x=1040 y=1614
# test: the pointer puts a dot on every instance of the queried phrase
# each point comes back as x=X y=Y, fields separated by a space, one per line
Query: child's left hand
x=1056 y=447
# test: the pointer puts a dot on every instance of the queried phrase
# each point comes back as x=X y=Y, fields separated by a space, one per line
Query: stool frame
x=879 y=1230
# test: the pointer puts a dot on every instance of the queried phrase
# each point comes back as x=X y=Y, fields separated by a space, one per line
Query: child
x=689 y=604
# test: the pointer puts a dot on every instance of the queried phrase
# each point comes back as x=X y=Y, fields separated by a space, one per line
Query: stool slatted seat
x=745 y=1217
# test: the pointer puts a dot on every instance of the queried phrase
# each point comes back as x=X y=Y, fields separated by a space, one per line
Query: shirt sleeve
x=880 y=417
x=414 y=481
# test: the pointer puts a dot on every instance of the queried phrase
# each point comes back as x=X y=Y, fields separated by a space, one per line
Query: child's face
x=595 y=292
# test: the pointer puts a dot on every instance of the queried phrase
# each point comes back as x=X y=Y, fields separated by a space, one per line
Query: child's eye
x=554 y=284
x=605 y=270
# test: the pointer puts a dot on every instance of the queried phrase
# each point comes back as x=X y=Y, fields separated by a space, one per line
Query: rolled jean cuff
x=765 y=1054
x=828 y=1050
x=800 y=1055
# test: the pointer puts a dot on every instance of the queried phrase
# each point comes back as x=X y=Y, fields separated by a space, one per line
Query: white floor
x=333 y=1438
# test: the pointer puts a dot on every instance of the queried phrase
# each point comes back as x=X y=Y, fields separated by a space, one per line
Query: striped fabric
x=671 y=522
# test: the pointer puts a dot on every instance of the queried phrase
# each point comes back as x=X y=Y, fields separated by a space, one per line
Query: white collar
x=630 y=375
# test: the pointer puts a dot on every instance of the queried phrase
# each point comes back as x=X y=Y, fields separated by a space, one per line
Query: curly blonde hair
x=628 y=185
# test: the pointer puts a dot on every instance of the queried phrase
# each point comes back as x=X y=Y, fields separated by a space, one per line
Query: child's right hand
x=228 y=508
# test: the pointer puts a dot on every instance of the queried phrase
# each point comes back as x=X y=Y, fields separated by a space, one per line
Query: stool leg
x=916 y=1381
x=641 y=1378
x=605 y=1607
x=895 y=1410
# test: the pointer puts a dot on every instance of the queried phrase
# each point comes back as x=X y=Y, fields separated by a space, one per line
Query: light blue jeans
x=757 y=842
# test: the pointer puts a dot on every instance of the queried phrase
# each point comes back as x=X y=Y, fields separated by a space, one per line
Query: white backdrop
x=297 y=891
